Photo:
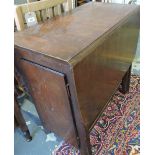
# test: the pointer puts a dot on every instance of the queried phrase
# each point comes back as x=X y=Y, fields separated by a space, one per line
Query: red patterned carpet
x=117 y=131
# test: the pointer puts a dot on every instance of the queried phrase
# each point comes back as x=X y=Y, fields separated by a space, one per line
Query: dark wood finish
x=85 y=54
x=126 y=81
x=108 y=63
x=76 y=31
x=49 y=91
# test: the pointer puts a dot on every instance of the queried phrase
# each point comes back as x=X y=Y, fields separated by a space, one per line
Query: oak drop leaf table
x=72 y=65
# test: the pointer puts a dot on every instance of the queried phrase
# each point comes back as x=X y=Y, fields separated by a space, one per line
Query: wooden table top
x=67 y=36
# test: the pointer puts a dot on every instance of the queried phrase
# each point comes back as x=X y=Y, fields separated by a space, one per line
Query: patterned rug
x=117 y=132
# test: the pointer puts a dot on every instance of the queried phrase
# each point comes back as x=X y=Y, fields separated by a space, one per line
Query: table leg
x=126 y=81
x=21 y=122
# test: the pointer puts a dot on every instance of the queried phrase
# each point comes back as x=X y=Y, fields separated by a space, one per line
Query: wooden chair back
x=44 y=10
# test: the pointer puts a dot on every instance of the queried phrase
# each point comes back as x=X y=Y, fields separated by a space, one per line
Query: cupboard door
x=50 y=95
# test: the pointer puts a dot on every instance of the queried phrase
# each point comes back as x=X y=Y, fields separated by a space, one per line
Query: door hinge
x=68 y=90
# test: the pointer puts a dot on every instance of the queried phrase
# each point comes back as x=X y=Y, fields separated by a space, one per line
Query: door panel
x=48 y=90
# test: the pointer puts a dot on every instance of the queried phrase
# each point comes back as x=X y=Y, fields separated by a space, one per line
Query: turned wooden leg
x=126 y=81
x=88 y=144
x=86 y=150
x=27 y=135
x=21 y=122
